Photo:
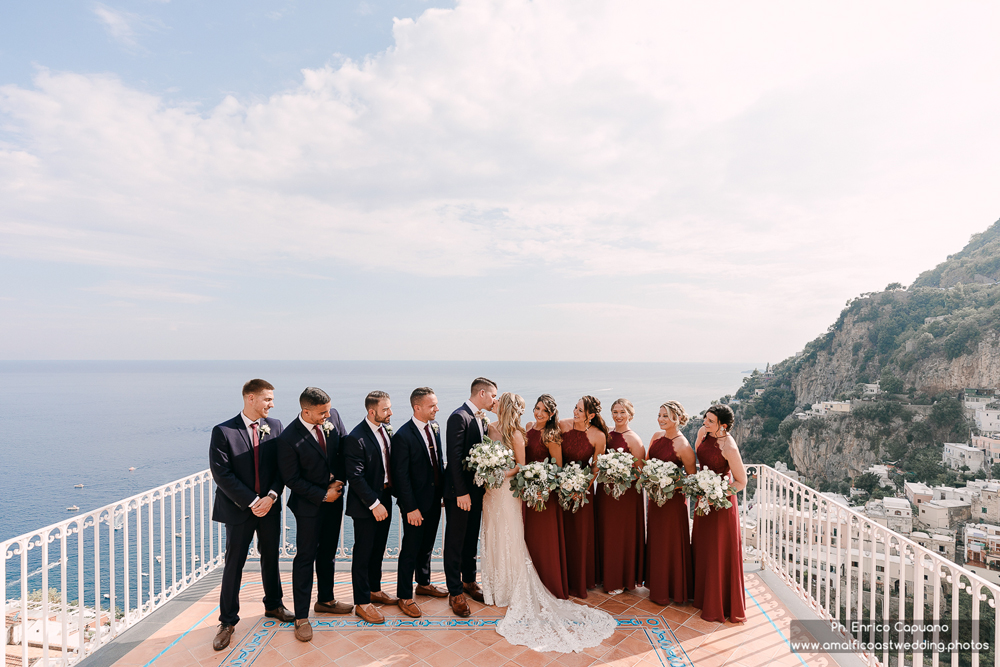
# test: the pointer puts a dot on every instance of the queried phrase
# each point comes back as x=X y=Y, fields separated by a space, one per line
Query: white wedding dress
x=535 y=618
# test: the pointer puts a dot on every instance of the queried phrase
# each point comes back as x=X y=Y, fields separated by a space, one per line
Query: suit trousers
x=316 y=541
x=415 y=554
x=461 y=542
x=238 y=539
x=370 y=537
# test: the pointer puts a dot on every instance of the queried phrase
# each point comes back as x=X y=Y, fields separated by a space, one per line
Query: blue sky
x=485 y=179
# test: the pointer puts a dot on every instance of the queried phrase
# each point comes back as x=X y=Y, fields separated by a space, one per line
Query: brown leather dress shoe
x=332 y=607
x=369 y=614
x=432 y=590
x=281 y=614
x=223 y=636
x=474 y=591
x=382 y=597
x=459 y=605
x=410 y=608
x=303 y=630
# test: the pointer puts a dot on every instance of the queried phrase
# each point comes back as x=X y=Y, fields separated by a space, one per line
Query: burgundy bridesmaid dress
x=718 y=551
x=669 y=571
x=543 y=531
x=621 y=533
x=581 y=570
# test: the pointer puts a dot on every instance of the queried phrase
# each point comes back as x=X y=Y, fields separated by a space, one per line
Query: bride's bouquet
x=660 y=479
x=574 y=481
x=616 y=471
x=534 y=482
x=490 y=460
x=709 y=490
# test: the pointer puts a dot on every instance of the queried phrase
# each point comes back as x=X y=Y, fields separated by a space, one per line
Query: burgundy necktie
x=433 y=452
x=319 y=436
x=385 y=452
x=256 y=459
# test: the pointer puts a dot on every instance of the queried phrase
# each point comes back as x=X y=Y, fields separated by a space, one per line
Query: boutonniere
x=388 y=429
x=265 y=429
x=437 y=429
x=327 y=427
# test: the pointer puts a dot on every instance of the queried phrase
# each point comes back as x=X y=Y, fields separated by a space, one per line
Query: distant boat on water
x=72 y=508
x=80 y=486
x=131 y=469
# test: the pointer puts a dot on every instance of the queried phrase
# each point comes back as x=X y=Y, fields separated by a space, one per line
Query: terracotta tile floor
x=647 y=634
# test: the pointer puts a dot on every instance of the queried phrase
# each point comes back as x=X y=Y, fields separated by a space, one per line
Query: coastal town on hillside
x=961 y=523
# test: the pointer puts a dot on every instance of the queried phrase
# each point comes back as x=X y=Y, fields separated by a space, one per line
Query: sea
x=121 y=427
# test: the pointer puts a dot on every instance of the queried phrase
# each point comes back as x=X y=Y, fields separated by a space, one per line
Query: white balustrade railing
x=72 y=587
x=851 y=570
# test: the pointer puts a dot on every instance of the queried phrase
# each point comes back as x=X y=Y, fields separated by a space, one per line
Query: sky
x=480 y=179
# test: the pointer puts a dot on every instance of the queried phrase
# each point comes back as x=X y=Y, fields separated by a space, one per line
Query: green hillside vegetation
x=884 y=335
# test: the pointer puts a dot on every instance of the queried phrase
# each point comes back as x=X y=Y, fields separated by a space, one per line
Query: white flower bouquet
x=709 y=490
x=616 y=471
x=660 y=479
x=574 y=481
x=490 y=460
x=534 y=482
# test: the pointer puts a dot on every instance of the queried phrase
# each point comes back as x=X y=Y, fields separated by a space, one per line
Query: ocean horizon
x=64 y=423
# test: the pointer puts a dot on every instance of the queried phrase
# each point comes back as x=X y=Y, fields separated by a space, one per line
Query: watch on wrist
x=272 y=495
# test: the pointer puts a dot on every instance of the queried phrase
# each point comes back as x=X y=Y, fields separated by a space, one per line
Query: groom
x=463 y=500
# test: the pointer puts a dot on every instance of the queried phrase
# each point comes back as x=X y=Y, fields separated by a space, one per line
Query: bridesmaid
x=669 y=570
x=715 y=538
x=621 y=530
x=543 y=531
x=583 y=437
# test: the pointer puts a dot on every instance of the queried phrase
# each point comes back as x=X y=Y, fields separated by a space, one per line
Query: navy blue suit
x=231 y=459
x=366 y=477
x=308 y=472
x=413 y=482
x=461 y=538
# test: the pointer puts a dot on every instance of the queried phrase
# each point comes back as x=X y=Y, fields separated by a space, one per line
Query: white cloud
x=767 y=153
x=119 y=25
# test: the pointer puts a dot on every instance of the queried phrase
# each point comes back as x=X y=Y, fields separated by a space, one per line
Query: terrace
x=147 y=570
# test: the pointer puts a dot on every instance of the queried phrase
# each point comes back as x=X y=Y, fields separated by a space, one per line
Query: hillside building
x=893 y=513
x=944 y=514
x=917 y=493
x=986 y=505
x=974 y=399
x=870 y=389
x=958 y=455
x=939 y=542
x=990 y=446
x=982 y=547
x=967 y=494
x=988 y=420
x=824 y=408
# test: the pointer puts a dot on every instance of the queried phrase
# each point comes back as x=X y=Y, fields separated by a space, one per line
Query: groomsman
x=418 y=480
x=312 y=464
x=463 y=500
x=244 y=463
x=369 y=503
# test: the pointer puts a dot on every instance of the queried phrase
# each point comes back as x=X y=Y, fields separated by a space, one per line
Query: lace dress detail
x=535 y=618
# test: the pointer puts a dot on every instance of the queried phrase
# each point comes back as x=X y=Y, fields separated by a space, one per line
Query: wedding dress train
x=535 y=618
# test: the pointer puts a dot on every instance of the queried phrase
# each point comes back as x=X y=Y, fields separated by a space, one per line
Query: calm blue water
x=81 y=422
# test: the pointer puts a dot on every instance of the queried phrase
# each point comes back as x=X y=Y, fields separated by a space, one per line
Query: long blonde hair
x=511 y=407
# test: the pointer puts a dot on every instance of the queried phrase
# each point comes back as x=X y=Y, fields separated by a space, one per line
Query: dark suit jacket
x=304 y=468
x=463 y=434
x=365 y=470
x=230 y=456
x=412 y=472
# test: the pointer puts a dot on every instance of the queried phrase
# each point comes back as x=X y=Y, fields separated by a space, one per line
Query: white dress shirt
x=311 y=428
x=385 y=464
x=249 y=426
x=479 y=422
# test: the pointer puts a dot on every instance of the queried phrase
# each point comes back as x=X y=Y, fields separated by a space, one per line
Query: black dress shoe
x=281 y=614
x=223 y=636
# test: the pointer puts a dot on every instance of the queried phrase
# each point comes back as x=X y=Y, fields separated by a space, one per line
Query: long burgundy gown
x=581 y=570
x=621 y=532
x=543 y=531
x=669 y=570
x=718 y=551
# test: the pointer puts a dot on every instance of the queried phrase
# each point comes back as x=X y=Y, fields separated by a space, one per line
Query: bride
x=535 y=618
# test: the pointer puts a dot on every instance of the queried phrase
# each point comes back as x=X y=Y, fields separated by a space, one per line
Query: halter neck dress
x=621 y=532
x=718 y=551
x=581 y=567
x=669 y=570
x=543 y=531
